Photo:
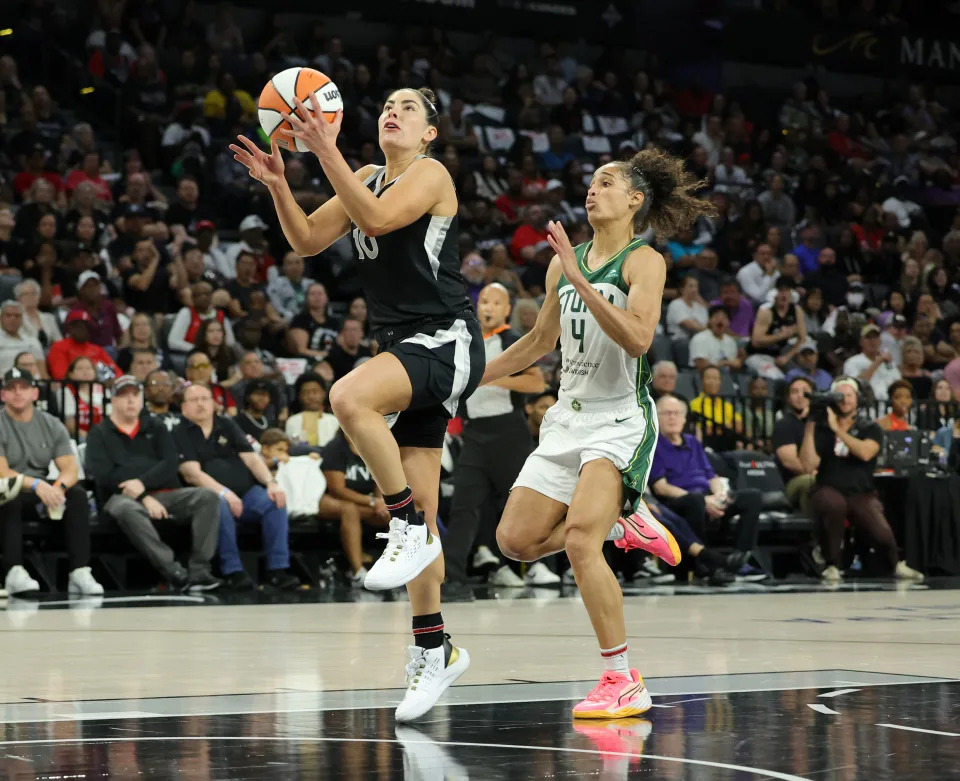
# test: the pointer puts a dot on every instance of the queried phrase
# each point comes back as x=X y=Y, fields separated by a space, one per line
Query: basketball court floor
x=754 y=682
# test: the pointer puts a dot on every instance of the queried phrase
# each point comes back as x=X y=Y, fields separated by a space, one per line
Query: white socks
x=616 y=533
x=615 y=659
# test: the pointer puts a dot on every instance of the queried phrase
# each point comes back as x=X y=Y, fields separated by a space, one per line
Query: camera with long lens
x=821 y=401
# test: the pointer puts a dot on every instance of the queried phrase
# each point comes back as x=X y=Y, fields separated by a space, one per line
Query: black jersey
x=412 y=273
x=776 y=323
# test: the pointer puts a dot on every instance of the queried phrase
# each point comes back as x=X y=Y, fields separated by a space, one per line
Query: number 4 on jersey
x=367 y=247
x=577 y=330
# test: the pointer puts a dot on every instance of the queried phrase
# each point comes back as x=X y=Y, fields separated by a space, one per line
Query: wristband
x=36 y=482
x=140 y=498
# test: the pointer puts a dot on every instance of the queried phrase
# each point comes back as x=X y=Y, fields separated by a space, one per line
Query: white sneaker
x=411 y=548
x=831 y=575
x=903 y=572
x=82 y=582
x=506 y=578
x=485 y=559
x=539 y=574
x=428 y=677
x=19 y=581
x=10 y=488
x=649 y=572
x=356 y=580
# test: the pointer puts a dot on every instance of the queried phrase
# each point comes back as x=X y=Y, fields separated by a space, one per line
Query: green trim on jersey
x=638 y=470
x=611 y=271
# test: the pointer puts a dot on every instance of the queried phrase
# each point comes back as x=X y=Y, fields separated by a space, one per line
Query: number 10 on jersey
x=367 y=248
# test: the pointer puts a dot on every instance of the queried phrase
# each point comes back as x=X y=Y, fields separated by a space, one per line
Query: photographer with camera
x=788 y=439
x=842 y=448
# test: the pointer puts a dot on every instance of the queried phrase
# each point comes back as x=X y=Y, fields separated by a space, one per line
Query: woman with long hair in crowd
x=82 y=400
x=211 y=341
x=42 y=326
x=140 y=335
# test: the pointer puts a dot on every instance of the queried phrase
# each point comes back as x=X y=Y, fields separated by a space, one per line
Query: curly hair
x=669 y=200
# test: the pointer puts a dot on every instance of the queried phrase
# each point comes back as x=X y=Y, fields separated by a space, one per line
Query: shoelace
x=603 y=690
x=415 y=668
x=395 y=540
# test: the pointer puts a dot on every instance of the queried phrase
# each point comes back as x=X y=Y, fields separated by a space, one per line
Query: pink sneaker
x=642 y=530
x=617 y=696
x=617 y=739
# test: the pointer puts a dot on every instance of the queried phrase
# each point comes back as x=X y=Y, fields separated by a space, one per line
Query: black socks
x=401 y=506
x=428 y=630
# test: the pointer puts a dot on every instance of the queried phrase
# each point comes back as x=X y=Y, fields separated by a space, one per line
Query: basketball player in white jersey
x=603 y=302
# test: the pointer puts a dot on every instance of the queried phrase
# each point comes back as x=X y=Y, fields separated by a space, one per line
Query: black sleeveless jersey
x=412 y=273
x=776 y=323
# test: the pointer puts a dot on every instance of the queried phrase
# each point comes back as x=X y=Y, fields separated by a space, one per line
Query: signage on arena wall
x=881 y=51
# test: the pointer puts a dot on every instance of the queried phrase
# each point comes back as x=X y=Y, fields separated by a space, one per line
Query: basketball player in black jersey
x=403 y=217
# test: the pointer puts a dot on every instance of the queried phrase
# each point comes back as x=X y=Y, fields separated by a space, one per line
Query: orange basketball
x=276 y=101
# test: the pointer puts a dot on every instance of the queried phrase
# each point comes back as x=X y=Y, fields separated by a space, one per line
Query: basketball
x=276 y=101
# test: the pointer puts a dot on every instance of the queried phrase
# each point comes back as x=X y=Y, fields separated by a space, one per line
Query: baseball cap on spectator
x=17 y=375
x=256 y=385
x=76 y=315
x=899 y=321
x=553 y=184
x=869 y=328
x=808 y=347
x=85 y=277
x=252 y=222
x=125 y=381
x=207 y=225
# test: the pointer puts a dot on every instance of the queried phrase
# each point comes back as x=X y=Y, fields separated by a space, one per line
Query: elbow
x=638 y=347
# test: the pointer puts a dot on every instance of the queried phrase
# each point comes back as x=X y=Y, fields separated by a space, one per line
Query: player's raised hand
x=557 y=238
x=266 y=168
x=314 y=132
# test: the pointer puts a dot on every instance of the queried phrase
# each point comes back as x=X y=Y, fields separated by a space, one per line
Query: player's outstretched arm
x=644 y=271
x=541 y=339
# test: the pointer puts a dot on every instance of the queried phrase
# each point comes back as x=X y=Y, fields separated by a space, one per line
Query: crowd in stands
x=139 y=254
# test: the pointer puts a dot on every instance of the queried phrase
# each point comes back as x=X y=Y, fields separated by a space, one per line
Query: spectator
x=215 y=454
x=187 y=211
x=787 y=440
x=35 y=169
x=76 y=344
x=778 y=208
x=759 y=276
x=252 y=369
x=139 y=336
x=142 y=362
x=681 y=477
x=253 y=243
x=255 y=418
x=778 y=333
x=739 y=309
x=892 y=338
x=313 y=332
x=348 y=350
x=900 y=394
x=664 y=380
x=244 y=285
x=352 y=499
x=158 y=398
x=714 y=346
x=536 y=408
x=39 y=325
x=719 y=425
x=200 y=372
x=83 y=399
x=104 y=326
x=911 y=367
x=843 y=454
x=186 y=325
x=687 y=315
x=806 y=368
x=529 y=234
x=829 y=279
x=13 y=340
x=813 y=310
x=872 y=365
x=211 y=342
x=133 y=460
x=47 y=400
x=312 y=425
x=708 y=275
x=148 y=284
x=89 y=172
x=30 y=440
x=288 y=293
x=226 y=104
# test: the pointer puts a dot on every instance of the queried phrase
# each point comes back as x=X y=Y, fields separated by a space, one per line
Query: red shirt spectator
x=90 y=172
x=76 y=344
x=528 y=235
x=24 y=180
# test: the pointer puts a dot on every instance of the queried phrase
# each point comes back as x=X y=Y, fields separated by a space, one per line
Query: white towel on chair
x=304 y=484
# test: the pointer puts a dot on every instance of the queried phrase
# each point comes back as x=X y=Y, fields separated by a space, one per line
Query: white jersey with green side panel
x=593 y=366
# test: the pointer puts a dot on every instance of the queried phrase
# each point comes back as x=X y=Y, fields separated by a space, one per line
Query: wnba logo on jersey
x=367 y=247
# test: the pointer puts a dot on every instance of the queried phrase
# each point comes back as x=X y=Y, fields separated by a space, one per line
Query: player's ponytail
x=669 y=200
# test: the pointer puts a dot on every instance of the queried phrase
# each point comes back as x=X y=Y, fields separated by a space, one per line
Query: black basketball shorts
x=444 y=364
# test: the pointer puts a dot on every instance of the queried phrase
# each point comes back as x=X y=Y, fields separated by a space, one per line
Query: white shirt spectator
x=755 y=282
x=732 y=179
x=327 y=427
x=177 y=337
x=885 y=374
x=12 y=346
x=678 y=311
x=706 y=345
x=549 y=89
x=892 y=345
x=283 y=295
